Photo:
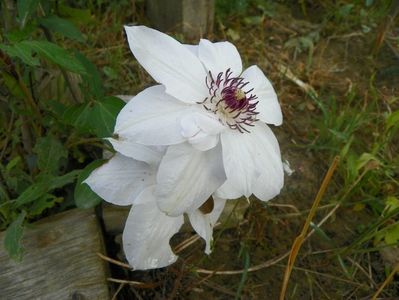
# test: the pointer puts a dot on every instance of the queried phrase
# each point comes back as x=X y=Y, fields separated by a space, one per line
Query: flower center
x=228 y=99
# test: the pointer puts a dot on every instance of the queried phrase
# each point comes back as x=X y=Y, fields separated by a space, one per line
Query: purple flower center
x=229 y=99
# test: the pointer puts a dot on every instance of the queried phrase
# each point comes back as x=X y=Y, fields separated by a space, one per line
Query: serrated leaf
x=78 y=117
x=56 y=54
x=103 y=115
x=25 y=9
x=96 y=117
x=62 y=26
x=50 y=152
x=84 y=196
x=43 y=185
x=13 y=236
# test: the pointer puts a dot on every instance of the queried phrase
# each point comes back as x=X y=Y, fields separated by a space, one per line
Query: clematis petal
x=268 y=107
x=229 y=191
x=202 y=130
x=147 y=234
x=250 y=160
x=203 y=223
x=204 y=142
x=192 y=48
x=148 y=154
x=168 y=62
x=187 y=177
x=121 y=179
x=218 y=57
x=152 y=118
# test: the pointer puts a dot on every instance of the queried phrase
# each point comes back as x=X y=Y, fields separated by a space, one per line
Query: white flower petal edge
x=218 y=57
x=268 y=107
x=148 y=154
x=152 y=118
x=187 y=177
x=168 y=62
x=252 y=163
x=147 y=234
x=121 y=179
x=203 y=223
x=202 y=130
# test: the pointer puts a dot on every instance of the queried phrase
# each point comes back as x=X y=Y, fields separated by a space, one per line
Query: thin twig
x=302 y=236
x=186 y=243
x=385 y=283
x=114 y=261
x=263 y=265
x=137 y=284
x=120 y=287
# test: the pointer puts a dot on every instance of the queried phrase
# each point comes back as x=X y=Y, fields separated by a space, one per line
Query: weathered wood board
x=193 y=18
x=59 y=262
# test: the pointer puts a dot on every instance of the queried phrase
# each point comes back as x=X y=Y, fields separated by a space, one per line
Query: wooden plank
x=193 y=18
x=59 y=261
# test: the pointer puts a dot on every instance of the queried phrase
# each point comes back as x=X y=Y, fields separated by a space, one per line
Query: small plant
x=52 y=104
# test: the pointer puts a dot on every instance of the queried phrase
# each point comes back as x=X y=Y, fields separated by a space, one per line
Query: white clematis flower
x=126 y=181
x=202 y=132
x=206 y=101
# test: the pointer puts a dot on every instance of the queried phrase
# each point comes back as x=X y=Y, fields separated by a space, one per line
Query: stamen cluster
x=228 y=99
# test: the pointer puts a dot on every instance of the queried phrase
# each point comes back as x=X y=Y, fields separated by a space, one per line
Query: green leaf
x=17 y=35
x=50 y=152
x=392 y=203
x=56 y=54
x=84 y=196
x=78 y=117
x=25 y=9
x=91 y=77
x=103 y=116
x=392 y=120
x=44 y=202
x=13 y=236
x=76 y=15
x=62 y=26
x=392 y=235
x=23 y=52
x=12 y=85
x=44 y=184
x=12 y=163
x=97 y=117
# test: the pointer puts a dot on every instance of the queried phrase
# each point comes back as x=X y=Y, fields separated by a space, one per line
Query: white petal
x=187 y=177
x=229 y=191
x=152 y=118
x=202 y=130
x=147 y=234
x=169 y=63
x=204 y=142
x=192 y=48
x=252 y=162
x=203 y=223
x=148 y=154
x=218 y=57
x=268 y=107
x=121 y=179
